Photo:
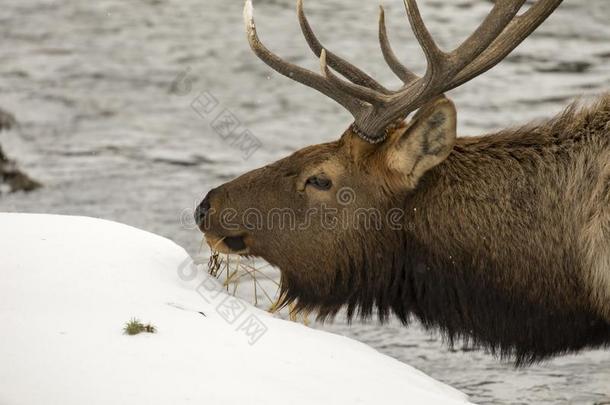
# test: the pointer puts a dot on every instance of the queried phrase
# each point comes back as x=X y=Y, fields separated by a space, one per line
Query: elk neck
x=490 y=251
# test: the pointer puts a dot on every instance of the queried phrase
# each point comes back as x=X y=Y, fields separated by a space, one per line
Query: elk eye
x=319 y=182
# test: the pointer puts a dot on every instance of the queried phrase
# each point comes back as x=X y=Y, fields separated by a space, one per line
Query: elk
x=503 y=240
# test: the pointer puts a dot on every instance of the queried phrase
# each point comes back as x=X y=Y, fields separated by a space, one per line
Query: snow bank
x=69 y=284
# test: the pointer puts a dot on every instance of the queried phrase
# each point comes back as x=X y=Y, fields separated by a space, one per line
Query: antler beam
x=376 y=108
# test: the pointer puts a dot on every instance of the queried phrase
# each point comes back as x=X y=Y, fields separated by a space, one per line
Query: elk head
x=304 y=213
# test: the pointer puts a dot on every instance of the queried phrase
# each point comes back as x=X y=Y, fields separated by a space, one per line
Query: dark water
x=103 y=94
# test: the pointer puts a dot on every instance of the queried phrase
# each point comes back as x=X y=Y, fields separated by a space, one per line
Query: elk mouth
x=227 y=244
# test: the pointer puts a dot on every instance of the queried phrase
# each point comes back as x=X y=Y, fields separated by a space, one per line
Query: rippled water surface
x=109 y=130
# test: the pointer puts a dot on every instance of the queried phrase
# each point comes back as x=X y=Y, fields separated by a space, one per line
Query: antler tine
x=360 y=92
x=434 y=56
x=293 y=71
x=442 y=64
x=448 y=64
x=348 y=70
x=496 y=37
x=397 y=67
x=492 y=26
x=519 y=29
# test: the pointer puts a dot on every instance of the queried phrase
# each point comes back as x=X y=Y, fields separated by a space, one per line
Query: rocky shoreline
x=11 y=178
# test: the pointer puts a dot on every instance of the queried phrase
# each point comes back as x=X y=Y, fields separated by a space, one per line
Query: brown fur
x=505 y=243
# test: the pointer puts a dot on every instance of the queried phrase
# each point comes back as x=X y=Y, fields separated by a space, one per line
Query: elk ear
x=426 y=141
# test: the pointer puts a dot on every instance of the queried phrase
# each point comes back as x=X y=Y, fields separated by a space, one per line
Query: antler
x=376 y=108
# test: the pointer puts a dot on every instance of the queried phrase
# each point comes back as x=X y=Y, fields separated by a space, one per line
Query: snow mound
x=69 y=285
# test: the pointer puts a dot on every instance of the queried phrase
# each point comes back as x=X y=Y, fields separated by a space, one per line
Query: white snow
x=69 y=284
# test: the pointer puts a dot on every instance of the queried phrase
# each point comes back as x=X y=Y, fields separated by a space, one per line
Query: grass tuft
x=134 y=327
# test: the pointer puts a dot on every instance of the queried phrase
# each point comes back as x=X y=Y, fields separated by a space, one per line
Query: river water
x=103 y=92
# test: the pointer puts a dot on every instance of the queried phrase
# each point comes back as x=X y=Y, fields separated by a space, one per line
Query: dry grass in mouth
x=234 y=270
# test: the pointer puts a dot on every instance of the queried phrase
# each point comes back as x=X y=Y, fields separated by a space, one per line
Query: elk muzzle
x=218 y=237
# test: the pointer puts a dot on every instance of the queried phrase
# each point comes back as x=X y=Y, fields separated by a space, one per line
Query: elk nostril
x=202 y=210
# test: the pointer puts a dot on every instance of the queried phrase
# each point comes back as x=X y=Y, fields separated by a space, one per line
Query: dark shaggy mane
x=446 y=296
